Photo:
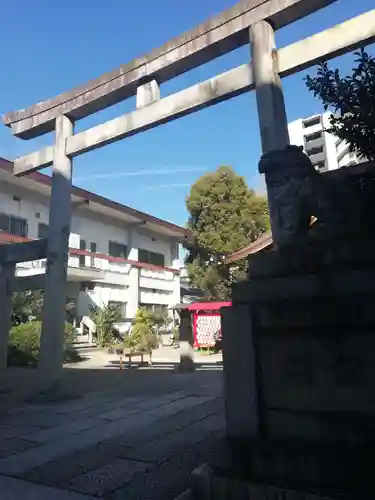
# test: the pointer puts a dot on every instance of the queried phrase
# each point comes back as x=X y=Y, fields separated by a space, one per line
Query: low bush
x=24 y=344
x=142 y=338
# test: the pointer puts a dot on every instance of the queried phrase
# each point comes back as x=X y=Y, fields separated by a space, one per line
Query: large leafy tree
x=352 y=101
x=225 y=216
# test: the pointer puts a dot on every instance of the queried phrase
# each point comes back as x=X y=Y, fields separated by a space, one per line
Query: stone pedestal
x=301 y=412
x=186 y=342
x=6 y=277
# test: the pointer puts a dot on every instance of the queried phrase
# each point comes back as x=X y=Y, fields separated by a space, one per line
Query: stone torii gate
x=249 y=21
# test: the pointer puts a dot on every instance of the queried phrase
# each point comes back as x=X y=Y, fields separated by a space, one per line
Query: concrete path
x=164 y=357
x=111 y=444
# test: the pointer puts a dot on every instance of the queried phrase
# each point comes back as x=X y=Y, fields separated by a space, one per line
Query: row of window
x=18 y=227
x=321 y=166
x=311 y=122
x=121 y=306
x=13 y=225
x=154 y=308
x=120 y=250
x=316 y=150
x=314 y=136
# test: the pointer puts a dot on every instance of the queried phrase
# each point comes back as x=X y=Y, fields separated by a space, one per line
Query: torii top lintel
x=219 y=35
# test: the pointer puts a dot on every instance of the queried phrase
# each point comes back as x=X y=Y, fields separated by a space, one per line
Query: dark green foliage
x=26 y=306
x=352 y=101
x=225 y=216
x=143 y=336
x=24 y=344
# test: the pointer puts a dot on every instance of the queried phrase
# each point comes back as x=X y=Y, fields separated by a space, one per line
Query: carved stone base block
x=306 y=324
x=210 y=483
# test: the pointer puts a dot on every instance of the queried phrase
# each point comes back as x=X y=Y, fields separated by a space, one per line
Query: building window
x=42 y=230
x=121 y=306
x=321 y=166
x=310 y=122
x=117 y=250
x=315 y=151
x=147 y=257
x=13 y=225
x=82 y=258
x=314 y=136
x=92 y=250
x=155 y=308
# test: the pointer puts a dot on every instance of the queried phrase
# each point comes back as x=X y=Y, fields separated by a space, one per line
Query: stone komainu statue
x=297 y=192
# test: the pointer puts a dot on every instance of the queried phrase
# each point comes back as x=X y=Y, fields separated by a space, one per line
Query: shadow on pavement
x=21 y=384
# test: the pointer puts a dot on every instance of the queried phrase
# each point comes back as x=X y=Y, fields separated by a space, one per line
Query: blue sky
x=49 y=48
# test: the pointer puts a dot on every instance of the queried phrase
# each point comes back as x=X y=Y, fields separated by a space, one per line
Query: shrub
x=351 y=98
x=176 y=333
x=143 y=337
x=144 y=317
x=24 y=344
x=105 y=318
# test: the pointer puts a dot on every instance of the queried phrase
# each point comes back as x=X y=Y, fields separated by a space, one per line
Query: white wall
x=29 y=206
x=154 y=243
x=330 y=144
x=297 y=132
x=95 y=229
x=120 y=284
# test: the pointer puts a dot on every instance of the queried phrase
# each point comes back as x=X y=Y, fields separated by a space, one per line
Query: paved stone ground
x=116 y=443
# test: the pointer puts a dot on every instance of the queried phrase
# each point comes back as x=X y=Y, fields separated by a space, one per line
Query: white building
x=117 y=254
x=325 y=151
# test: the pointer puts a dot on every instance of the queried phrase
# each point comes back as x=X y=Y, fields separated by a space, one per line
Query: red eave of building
x=208 y=306
x=7 y=165
x=6 y=238
x=259 y=244
x=263 y=242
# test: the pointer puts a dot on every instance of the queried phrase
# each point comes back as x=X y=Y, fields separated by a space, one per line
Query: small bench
x=127 y=353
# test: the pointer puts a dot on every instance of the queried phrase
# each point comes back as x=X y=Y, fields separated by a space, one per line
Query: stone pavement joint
x=10 y=446
x=168 y=425
x=107 y=478
x=15 y=489
x=112 y=445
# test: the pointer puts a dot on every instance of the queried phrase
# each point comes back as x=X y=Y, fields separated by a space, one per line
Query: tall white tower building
x=325 y=151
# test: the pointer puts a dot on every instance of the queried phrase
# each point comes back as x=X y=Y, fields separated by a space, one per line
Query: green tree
x=352 y=101
x=143 y=336
x=225 y=216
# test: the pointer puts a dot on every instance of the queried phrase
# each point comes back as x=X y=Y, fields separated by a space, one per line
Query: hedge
x=24 y=344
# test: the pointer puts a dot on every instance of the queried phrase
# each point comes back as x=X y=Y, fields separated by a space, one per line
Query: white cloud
x=154 y=187
x=139 y=173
